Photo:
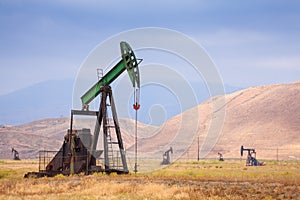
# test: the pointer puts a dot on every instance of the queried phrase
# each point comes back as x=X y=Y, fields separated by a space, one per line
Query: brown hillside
x=48 y=134
x=266 y=118
x=28 y=139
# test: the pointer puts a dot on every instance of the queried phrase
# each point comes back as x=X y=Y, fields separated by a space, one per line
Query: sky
x=251 y=42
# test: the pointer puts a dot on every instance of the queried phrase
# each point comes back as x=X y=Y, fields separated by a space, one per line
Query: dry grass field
x=180 y=180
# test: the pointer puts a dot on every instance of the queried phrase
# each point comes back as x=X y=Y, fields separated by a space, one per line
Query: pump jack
x=220 y=156
x=166 y=157
x=16 y=154
x=76 y=156
x=251 y=157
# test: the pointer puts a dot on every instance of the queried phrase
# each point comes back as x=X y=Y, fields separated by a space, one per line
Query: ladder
x=112 y=146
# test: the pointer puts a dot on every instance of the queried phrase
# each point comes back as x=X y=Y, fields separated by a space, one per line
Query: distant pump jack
x=15 y=154
x=220 y=156
x=251 y=157
x=166 y=157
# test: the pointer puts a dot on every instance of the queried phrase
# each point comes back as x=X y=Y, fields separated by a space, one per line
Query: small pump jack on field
x=220 y=156
x=166 y=157
x=251 y=157
x=15 y=154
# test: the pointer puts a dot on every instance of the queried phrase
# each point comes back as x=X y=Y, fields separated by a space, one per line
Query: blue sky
x=251 y=42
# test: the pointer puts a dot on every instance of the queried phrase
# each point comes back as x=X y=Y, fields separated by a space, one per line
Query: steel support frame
x=106 y=94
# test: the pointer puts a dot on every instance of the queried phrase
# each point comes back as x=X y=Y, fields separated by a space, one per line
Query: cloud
x=238 y=36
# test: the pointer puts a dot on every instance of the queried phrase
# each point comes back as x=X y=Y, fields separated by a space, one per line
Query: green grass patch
x=6 y=173
x=2 y=162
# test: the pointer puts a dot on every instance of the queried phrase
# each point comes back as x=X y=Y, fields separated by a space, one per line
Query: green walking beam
x=128 y=62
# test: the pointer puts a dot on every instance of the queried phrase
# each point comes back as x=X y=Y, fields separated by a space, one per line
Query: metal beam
x=84 y=112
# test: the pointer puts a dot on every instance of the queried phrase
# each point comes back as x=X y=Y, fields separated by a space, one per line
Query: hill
x=48 y=134
x=266 y=118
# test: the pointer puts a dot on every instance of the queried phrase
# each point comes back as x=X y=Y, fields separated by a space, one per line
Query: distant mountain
x=43 y=100
x=53 y=98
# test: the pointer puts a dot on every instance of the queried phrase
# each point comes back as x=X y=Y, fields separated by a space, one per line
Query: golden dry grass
x=181 y=180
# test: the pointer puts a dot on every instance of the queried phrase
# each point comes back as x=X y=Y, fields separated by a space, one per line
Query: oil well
x=78 y=153
x=221 y=158
x=166 y=157
x=251 y=157
x=15 y=154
